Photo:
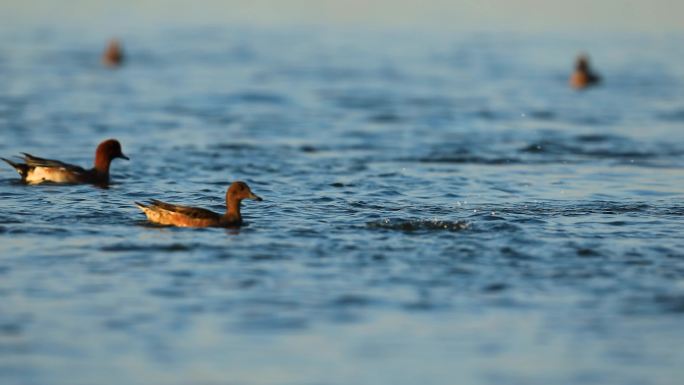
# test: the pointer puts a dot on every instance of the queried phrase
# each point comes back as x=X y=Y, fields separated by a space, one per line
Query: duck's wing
x=34 y=161
x=35 y=170
x=191 y=212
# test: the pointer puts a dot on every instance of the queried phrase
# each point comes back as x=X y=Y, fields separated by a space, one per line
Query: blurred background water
x=439 y=208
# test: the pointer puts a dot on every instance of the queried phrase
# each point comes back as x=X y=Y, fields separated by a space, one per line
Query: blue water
x=439 y=209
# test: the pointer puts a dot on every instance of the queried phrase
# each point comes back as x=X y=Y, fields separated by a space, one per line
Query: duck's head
x=110 y=149
x=239 y=191
x=106 y=152
x=582 y=63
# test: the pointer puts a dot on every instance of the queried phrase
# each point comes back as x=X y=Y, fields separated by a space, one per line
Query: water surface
x=438 y=209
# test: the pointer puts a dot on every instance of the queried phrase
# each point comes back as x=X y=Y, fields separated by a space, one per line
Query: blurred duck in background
x=113 y=55
x=583 y=76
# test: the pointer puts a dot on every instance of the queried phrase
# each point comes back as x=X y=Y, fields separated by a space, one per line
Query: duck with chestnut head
x=185 y=216
x=35 y=170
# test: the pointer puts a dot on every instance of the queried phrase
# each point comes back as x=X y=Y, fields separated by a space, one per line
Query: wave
x=418 y=225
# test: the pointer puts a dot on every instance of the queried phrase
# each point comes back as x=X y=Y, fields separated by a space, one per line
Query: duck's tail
x=146 y=209
x=21 y=168
x=149 y=211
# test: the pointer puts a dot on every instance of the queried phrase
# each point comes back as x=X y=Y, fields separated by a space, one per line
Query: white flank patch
x=49 y=174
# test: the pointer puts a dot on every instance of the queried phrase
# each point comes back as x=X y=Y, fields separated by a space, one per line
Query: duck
x=113 y=55
x=168 y=214
x=34 y=170
x=583 y=76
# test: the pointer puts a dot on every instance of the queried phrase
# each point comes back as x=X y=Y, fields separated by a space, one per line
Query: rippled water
x=438 y=210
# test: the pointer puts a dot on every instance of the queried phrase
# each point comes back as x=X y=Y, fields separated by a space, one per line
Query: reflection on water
x=435 y=208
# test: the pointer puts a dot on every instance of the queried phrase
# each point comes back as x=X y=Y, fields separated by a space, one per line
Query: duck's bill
x=255 y=197
x=124 y=157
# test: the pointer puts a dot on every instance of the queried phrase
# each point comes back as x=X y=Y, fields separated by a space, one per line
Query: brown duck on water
x=184 y=216
x=113 y=55
x=583 y=76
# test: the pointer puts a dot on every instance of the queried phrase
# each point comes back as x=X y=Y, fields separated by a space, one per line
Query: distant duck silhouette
x=113 y=55
x=583 y=76
x=185 y=216
x=35 y=170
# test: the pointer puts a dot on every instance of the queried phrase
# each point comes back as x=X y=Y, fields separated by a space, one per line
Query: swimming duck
x=37 y=170
x=113 y=55
x=583 y=75
x=184 y=216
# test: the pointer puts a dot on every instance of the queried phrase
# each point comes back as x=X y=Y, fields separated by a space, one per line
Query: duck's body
x=583 y=76
x=581 y=79
x=35 y=170
x=185 y=216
